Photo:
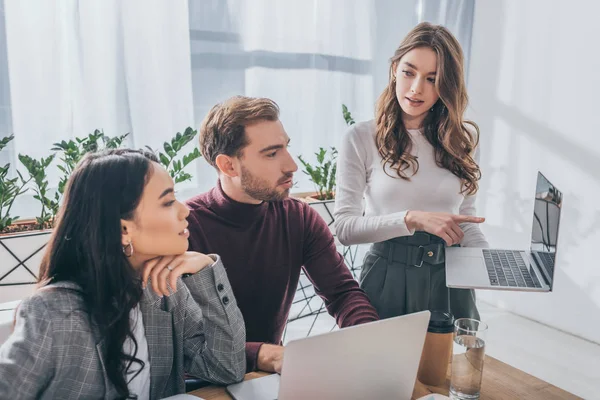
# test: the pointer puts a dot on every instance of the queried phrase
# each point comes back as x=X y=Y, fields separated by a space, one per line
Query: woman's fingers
x=444 y=230
x=179 y=268
x=176 y=269
x=161 y=282
x=164 y=271
x=161 y=265
x=458 y=233
x=446 y=237
x=468 y=218
x=148 y=266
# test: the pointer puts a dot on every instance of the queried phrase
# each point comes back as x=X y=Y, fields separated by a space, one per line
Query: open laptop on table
x=377 y=360
x=524 y=270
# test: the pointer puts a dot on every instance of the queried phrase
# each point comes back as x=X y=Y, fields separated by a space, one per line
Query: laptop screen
x=544 y=233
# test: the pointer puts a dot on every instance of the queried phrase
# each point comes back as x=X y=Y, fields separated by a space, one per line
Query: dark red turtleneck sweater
x=263 y=248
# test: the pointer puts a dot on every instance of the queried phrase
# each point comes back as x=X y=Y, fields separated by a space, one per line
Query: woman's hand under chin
x=166 y=269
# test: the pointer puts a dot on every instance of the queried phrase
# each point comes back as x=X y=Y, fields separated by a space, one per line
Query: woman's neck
x=137 y=261
x=411 y=122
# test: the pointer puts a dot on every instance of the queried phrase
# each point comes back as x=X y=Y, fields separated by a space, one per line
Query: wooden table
x=500 y=381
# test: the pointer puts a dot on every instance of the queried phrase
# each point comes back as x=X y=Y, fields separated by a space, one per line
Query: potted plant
x=22 y=242
x=322 y=175
x=14 y=272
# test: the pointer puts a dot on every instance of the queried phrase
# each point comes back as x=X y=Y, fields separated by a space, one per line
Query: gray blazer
x=54 y=352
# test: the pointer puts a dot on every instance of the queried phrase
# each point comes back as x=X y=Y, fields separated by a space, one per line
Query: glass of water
x=467 y=360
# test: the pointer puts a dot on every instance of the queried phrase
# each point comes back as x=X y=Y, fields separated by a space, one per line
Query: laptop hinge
x=540 y=268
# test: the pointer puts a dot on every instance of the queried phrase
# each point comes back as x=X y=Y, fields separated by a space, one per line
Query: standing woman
x=122 y=309
x=417 y=167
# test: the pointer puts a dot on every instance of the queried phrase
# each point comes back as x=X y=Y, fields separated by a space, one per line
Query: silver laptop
x=523 y=270
x=378 y=360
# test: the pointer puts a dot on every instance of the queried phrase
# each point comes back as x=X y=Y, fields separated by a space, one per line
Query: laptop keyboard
x=507 y=268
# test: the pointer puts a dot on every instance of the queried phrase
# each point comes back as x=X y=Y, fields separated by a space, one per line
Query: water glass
x=467 y=360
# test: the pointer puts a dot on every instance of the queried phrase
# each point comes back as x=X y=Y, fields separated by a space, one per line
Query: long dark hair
x=444 y=127
x=85 y=248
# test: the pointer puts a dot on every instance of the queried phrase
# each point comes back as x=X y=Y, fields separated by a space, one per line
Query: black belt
x=412 y=250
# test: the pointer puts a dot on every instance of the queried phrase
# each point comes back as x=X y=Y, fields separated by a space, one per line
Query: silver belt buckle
x=421 y=257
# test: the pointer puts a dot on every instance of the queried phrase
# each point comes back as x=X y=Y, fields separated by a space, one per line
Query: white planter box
x=20 y=257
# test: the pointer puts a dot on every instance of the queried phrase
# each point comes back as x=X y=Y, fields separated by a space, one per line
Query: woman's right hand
x=165 y=269
x=444 y=225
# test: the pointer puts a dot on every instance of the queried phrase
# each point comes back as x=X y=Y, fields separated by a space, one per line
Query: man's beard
x=259 y=189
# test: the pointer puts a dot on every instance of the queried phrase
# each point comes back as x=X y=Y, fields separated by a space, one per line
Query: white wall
x=534 y=86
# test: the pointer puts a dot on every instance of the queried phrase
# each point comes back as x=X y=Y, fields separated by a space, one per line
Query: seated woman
x=122 y=310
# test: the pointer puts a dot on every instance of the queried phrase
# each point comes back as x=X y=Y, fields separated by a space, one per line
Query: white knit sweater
x=360 y=174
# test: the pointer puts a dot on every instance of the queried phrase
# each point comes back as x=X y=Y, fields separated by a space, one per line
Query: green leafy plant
x=347 y=115
x=10 y=189
x=169 y=159
x=72 y=152
x=37 y=172
x=323 y=173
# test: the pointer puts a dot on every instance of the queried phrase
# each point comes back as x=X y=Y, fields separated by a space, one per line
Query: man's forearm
x=353 y=308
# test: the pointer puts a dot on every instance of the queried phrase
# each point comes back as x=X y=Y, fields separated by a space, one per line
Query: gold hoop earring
x=126 y=248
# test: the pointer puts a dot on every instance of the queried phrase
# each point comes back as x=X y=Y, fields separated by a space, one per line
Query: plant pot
x=20 y=258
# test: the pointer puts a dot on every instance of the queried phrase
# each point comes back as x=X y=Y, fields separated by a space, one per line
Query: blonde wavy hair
x=444 y=126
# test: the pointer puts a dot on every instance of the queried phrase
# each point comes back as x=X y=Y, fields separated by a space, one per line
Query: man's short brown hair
x=223 y=128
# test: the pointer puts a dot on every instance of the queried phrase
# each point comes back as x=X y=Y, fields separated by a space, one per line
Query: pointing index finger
x=468 y=218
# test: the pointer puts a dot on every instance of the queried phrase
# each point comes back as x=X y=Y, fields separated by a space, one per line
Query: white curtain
x=75 y=66
x=154 y=67
x=309 y=56
x=456 y=15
